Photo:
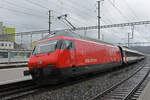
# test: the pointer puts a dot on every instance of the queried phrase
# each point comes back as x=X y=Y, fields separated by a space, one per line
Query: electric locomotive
x=66 y=54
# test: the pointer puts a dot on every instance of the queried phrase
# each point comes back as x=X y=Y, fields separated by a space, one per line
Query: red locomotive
x=67 y=54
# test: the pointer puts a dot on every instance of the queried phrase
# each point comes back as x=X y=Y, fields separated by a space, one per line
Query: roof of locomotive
x=75 y=35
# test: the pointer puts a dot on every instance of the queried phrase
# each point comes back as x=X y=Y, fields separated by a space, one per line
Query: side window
x=67 y=44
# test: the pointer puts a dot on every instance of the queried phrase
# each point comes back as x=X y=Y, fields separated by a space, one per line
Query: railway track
x=21 y=89
x=125 y=90
x=15 y=90
x=139 y=90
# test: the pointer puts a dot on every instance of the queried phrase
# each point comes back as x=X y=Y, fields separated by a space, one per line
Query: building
x=6 y=45
x=7 y=33
x=7 y=37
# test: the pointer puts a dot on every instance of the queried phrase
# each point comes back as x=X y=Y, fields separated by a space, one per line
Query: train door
x=67 y=57
x=71 y=47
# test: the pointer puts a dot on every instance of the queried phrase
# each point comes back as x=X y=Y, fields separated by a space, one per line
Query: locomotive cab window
x=45 y=47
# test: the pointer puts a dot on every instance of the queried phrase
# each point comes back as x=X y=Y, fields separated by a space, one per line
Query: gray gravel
x=87 y=89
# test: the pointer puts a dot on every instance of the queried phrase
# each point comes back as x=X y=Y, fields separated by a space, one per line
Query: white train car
x=131 y=56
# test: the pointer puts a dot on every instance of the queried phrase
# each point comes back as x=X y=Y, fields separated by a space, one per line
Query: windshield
x=45 y=47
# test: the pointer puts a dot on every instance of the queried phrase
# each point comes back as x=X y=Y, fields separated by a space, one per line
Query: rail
x=122 y=90
x=17 y=89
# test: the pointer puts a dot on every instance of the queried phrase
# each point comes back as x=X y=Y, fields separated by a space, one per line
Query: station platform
x=145 y=95
x=13 y=75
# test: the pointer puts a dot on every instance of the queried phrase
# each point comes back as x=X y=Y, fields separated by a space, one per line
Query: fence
x=8 y=56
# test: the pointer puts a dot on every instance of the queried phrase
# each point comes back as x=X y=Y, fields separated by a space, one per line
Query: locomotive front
x=43 y=59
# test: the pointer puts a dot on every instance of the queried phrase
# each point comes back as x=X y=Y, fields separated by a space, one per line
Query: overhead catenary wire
x=19 y=6
x=12 y=23
x=131 y=9
x=118 y=10
x=17 y=11
x=80 y=12
x=107 y=21
x=86 y=8
x=37 y=4
x=75 y=8
x=108 y=16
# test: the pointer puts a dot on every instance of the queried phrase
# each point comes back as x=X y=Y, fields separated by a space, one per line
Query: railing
x=10 y=56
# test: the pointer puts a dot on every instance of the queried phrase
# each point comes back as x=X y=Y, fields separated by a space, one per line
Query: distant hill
x=144 y=49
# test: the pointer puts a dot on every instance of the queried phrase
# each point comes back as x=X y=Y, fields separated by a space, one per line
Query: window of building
x=9 y=45
x=2 y=44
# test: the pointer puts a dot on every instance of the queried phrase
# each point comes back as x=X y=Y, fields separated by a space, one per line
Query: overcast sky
x=32 y=15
